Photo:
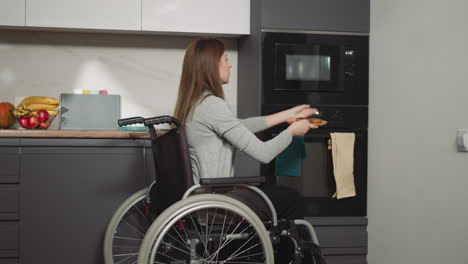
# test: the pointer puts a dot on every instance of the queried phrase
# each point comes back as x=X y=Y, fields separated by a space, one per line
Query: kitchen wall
x=418 y=98
x=144 y=70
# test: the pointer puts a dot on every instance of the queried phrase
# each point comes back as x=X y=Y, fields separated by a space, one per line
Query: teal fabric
x=289 y=162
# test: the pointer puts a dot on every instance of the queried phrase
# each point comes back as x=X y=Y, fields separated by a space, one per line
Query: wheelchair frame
x=278 y=228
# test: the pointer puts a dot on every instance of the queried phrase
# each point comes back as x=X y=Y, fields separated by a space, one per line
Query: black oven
x=330 y=72
x=322 y=69
x=316 y=183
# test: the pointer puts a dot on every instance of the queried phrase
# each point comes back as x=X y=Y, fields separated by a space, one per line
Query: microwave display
x=308 y=67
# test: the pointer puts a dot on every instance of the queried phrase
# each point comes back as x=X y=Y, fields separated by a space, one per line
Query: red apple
x=33 y=122
x=23 y=121
x=44 y=124
x=42 y=115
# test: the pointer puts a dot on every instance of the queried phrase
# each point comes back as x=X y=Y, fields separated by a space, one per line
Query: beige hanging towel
x=342 y=146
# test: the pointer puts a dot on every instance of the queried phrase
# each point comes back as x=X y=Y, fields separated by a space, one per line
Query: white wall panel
x=144 y=70
x=417 y=185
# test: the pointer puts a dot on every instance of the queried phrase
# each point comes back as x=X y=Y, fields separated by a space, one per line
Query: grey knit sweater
x=214 y=133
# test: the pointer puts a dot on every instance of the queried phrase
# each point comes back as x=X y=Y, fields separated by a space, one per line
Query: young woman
x=214 y=132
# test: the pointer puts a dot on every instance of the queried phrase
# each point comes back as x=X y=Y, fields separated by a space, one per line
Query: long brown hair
x=200 y=73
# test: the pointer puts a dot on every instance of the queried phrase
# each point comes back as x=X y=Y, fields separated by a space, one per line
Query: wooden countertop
x=39 y=133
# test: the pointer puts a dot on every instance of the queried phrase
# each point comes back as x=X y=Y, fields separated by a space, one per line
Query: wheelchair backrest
x=173 y=168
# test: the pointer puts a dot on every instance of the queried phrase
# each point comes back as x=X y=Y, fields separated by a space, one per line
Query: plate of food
x=313 y=120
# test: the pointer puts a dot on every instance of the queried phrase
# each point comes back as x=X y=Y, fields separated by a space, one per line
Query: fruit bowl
x=35 y=120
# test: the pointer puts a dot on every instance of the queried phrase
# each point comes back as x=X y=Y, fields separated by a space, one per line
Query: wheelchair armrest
x=232 y=181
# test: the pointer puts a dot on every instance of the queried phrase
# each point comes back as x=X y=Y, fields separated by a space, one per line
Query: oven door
x=317 y=182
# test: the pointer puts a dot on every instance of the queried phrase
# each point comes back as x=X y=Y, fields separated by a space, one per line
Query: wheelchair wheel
x=207 y=229
x=126 y=230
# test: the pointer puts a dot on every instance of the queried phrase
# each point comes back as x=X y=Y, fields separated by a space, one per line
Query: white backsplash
x=144 y=70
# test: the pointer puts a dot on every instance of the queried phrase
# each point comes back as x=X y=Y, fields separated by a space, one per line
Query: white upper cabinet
x=197 y=16
x=84 y=14
x=12 y=12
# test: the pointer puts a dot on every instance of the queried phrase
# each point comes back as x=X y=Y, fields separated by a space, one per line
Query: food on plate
x=317 y=121
x=6 y=117
x=313 y=120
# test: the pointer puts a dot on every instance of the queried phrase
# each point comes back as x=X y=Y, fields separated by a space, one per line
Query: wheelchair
x=175 y=221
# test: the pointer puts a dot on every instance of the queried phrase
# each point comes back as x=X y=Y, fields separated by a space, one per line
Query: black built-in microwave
x=322 y=69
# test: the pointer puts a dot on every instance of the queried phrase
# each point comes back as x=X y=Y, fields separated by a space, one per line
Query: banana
x=53 y=112
x=40 y=100
x=21 y=112
x=36 y=107
x=16 y=113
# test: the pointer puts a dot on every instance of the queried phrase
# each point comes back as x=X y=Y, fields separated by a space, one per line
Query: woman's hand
x=300 y=111
x=300 y=128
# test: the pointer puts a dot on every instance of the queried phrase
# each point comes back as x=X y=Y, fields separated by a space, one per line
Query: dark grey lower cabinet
x=8 y=261
x=58 y=195
x=68 y=195
x=343 y=239
x=9 y=239
x=9 y=200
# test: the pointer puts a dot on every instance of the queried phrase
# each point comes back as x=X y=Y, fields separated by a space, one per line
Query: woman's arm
x=290 y=115
x=260 y=123
x=216 y=114
x=242 y=139
x=255 y=124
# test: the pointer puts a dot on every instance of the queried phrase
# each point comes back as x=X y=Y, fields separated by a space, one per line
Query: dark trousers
x=287 y=201
x=288 y=205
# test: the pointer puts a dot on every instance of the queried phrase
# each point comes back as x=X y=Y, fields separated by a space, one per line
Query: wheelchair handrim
x=187 y=210
x=116 y=220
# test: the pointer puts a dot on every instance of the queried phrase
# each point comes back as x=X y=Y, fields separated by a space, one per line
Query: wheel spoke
x=133 y=217
x=234 y=255
x=200 y=232
x=221 y=235
x=212 y=222
x=185 y=243
x=200 y=236
x=228 y=240
x=132 y=227
x=219 y=249
x=172 y=246
x=132 y=255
